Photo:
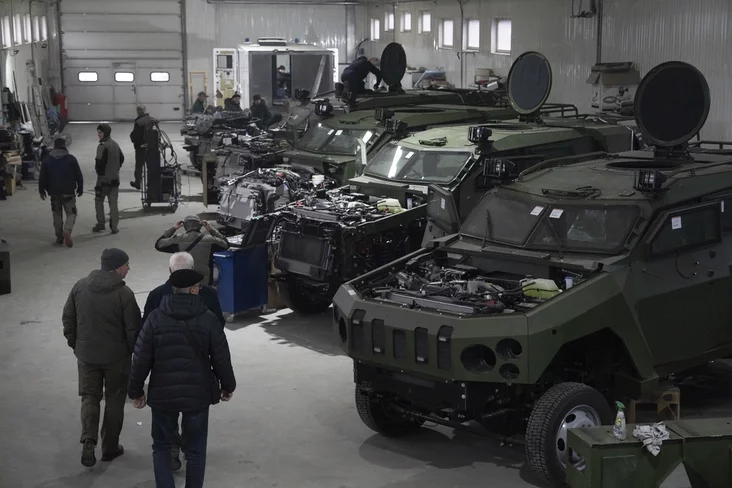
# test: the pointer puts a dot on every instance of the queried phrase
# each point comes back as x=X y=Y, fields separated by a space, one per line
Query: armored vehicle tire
x=302 y=302
x=374 y=412
x=563 y=406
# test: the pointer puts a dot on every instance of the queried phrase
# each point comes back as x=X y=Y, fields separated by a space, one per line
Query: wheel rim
x=578 y=417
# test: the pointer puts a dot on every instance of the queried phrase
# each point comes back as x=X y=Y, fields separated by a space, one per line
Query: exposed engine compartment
x=453 y=287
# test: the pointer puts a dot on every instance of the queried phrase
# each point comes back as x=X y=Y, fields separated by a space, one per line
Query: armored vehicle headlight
x=383 y=114
x=395 y=126
x=478 y=359
x=324 y=108
x=479 y=134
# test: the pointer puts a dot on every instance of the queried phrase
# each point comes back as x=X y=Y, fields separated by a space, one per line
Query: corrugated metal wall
x=646 y=32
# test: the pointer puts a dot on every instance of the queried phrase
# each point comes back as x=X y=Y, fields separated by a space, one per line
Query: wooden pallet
x=667 y=400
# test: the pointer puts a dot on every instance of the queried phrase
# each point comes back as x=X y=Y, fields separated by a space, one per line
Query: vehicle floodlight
x=324 y=108
x=647 y=180
x=499 y=169
x=479 y=134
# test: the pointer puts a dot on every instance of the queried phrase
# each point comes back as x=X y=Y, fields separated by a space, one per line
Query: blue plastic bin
x=242 y=278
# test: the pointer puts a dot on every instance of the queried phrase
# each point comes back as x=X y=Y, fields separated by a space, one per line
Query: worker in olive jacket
x=138 y=136
x=101 y=320
x=183 y=348
x=108 y=162
x=200 y=245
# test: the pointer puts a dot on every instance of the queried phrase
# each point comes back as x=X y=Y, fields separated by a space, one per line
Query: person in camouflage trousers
x=61 y=179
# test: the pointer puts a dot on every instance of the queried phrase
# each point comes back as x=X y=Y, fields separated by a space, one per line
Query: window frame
x=420 y=22
x=403 y=21
x=27 y=29
x=17 y=30
x=375 y=29
x=388 y=21
x=495 y=48
x=159 y=72
x=441 y=34
x=79 y=73
x=467 y=46
x=126 y=73
x=665 y=219
x=36 y=28
x=7 y=32
x=44 y=28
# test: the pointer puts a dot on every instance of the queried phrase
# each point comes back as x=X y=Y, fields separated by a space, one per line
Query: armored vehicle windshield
x=326 y=139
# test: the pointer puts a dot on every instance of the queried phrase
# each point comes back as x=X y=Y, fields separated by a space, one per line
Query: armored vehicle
x=332 y=237
x=202 y=132
x=581 y=281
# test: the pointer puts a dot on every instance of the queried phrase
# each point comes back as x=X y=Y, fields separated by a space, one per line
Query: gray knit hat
x=114 y=258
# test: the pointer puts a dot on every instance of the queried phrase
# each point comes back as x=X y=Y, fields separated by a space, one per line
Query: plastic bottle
x=619 y=430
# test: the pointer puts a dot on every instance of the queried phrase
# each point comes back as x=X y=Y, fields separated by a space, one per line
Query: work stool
x=667 y=400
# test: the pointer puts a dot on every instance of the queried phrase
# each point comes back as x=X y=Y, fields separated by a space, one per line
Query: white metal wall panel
x=210 y=26
x=647 y=32
x=109 y=36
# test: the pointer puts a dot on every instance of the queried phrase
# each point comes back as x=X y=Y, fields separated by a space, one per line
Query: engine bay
x=449 y=285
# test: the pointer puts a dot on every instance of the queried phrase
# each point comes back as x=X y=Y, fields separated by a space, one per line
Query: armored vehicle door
x=442 y=214
x=681 y=275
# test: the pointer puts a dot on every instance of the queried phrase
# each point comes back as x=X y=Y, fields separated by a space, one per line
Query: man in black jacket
x=357 y=71
x=139 y=135
x=61 y=178
x=261 y=111
x=185 y=348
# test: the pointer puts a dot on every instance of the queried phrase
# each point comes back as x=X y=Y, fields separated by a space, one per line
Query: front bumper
x=433 y=345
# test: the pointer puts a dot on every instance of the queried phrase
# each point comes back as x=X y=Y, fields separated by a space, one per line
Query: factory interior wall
x=14 y=63
x=646 y=32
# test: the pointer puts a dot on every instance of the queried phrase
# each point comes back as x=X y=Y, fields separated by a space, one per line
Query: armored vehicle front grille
x=400 y=344
x=421 y=345
x=357 y=330
x=444 y=353
x=378 y=336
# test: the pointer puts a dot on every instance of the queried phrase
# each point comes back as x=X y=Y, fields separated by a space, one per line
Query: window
x=27 y=29
x=687 y=229
x=389 y=21
x=447 y=33
x=36 y=29
x=88 y=76
x=501 y=36
x=44 y=29
x=17 y=30
x=472 y=35
x=375 y=29
x=7 y=33
x=425 y=22
x=124 y=77
x=160 y=76
x=406 y=22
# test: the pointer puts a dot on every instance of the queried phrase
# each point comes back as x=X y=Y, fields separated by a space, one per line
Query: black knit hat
x=185 y=278
x=114 y=258
x=105 y=129
x=59 y=143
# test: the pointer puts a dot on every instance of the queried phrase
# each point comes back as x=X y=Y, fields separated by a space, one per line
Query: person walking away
x=138 y=136
x=61 y=178
x=184 y=350
x=108 y=162
x=199 y=106
x=101 y=320
x=201 y=246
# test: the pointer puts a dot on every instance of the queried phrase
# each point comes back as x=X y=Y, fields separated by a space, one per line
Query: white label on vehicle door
x=556 y=213
x=675 y=223
x=409 y=203
x=442 y=204
x=537 y=210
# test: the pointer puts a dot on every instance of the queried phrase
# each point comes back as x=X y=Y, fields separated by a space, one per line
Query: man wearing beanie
x=193 y=241
x=184 y=349
x=61 y=179
x=101 y=320
x=108 y=162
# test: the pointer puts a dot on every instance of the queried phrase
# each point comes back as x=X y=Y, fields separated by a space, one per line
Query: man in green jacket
x=199 y=106
x=108 y=162
x=101 y=320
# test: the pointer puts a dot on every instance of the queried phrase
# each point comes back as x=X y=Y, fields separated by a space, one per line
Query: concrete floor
x=292 y=421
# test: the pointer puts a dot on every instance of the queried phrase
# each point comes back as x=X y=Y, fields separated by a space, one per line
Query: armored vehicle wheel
x=300 y=300
x=562 y=407
x=374 y=412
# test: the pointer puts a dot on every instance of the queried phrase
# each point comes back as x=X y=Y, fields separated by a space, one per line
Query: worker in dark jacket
x=101 y=320
x=184 y=350
x=61 y=178
x=199 y=106
x=233 y=104
x=355 y=74
x=139 y=136
x=107 y=164
x=183 y=260
x=261 y=111
x=201 y=246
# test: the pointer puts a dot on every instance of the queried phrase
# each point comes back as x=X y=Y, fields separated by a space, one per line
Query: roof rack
x=723 y=148
x=563 y=161
x=565 y=110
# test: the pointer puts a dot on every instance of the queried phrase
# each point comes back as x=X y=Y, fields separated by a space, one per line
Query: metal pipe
x=184 y=54
x=599 y=31
x=462 y=35
x=283 y=2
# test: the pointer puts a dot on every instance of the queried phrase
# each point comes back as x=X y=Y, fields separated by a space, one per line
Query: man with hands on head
x=184 y=349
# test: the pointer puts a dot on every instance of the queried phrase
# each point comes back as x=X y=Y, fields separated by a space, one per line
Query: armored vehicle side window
x=321 y=138
x=687 y=229
x=402 y=163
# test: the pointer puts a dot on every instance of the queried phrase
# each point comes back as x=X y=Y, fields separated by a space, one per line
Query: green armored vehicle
x=581 y=281
x=330 y=237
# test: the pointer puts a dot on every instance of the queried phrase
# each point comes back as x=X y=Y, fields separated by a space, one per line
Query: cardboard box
x=613 y=86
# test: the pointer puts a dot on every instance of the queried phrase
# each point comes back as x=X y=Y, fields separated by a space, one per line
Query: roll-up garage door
x=120 y=54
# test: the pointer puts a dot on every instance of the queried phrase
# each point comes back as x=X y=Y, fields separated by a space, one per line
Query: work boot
x=59 y=241
x=67 y=239
x=115 y=231
x=135 y=184
x=98 y=228
x=88 y=459
x=111 y=456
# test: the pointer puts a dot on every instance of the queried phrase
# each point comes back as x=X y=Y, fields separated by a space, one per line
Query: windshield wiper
x=580 y=192
x=548 y=220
